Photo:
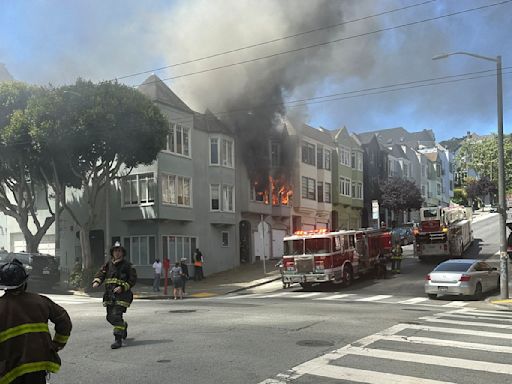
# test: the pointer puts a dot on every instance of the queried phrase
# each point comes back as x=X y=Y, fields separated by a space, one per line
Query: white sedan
x=466 y=277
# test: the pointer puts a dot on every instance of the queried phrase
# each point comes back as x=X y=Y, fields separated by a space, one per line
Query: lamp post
x=502 y=207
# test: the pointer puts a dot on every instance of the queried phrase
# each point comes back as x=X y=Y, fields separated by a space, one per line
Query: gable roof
x=322 y=135
x=399 y=135
x=208 y=122
x=154 y=88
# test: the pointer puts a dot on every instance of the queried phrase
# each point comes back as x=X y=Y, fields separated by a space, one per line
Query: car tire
x=306 y=286
x=432 y=296
x=478 y=292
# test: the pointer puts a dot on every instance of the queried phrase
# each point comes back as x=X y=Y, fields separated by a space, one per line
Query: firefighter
x=396 y=258
x=119 y=277
x=27 y=350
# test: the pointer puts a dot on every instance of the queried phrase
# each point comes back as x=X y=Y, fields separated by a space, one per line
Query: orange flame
x=279 y=192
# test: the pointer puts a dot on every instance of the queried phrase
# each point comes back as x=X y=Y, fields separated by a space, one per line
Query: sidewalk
x=243 y=277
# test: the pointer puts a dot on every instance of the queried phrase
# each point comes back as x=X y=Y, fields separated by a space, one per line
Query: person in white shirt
x=157 y=266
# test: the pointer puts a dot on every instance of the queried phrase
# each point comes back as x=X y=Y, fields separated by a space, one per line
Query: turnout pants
x=38 y=377
x=115 y=317
x=395 y=264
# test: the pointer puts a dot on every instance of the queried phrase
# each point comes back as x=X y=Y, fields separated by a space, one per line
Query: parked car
x=41 y=268
x=404 y=234
x=493 y=209
x=466 y=277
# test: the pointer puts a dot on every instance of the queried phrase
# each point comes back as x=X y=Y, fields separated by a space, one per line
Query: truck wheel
x=432 y=296
x=348 y=276
x=306 y=286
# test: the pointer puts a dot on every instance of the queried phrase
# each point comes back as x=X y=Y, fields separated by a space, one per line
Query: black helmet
x=12 y=275
x=117 y=245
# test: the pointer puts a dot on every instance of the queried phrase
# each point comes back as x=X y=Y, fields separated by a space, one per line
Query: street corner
x=200 y=295
x=502 y=304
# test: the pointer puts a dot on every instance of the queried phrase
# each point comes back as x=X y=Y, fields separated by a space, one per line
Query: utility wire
x=348 y=95
x=329 y=42
x=275 y=40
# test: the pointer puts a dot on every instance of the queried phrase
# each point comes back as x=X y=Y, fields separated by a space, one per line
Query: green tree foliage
x=21 y=183
x=90 y=134
x=481 y=154
x=400 y=195
x=460 y=196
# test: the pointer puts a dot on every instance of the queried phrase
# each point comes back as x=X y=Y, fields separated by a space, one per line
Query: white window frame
x=130 y=242
x=224 y=245
x=228 y=198
x=182 y=134
x=179 y=240
x=345 y=185
x=345 y=156
x=327 y=193
x=176 y=183
x=138 y=180
x=219 y=199
x=217 y=139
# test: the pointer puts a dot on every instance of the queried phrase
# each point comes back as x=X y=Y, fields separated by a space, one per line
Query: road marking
x=303 y=295
x=361 y=375
x=495 y=314
x=458 y=331
x=444 y=361
x=374 y=298
x=471 y=316
x=473 y=323
x=414 y=300
x=336 y=297
x=274 y=295
x=235 y=296
x=455 y=304
x=449 y=343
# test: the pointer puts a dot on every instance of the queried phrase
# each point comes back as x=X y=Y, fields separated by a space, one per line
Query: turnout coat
x=121 y=274
x=26 y=344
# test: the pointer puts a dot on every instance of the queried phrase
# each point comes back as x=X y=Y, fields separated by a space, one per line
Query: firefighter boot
x=125 y=332
x=118 y=343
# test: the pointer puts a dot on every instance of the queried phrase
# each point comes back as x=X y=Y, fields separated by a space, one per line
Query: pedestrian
x=177 y=281
x=27 y=350
x=119 y=277
x=198 y=265
x=184 y=270
x=157 y=267
x=382 y=263
x=396 y=258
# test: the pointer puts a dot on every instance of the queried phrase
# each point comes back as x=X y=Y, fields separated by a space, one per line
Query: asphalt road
x=379 y=329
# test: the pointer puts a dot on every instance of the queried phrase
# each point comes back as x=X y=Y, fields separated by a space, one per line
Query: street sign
x=375 y=209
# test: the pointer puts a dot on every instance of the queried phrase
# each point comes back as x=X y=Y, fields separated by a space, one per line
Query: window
x=176 y=190
x=353 y=160
x=138 y=189
x=308 y=153
x=438 y=189
x=327 y=192
x=222 y=152
x=344 y=186
x=140 y=249
x=319 y=157
x=214 y=150
x=320 y=191
x=178 y=140
x=345 y=156
x=225 y=239
x=275 y=154
x=308 y=188
x=215 y=197
x=358 y=192
x=228 y=198
x=327 y=160
x=177 y=247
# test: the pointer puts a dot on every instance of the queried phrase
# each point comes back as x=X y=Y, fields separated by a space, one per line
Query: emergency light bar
x=310 y=232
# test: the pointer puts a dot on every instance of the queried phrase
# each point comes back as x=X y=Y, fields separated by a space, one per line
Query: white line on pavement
x=455 y=304
x=465 y=323
x=457 y=331
x=374 y=298
x=414 y=300
x=336 y=297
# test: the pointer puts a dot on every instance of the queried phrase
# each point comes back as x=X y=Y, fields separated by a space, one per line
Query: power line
x=275 y=40
x=348 y=94
x=329 y=42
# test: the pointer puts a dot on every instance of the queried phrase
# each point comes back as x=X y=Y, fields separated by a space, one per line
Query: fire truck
x=318 y=256
x=444 y=231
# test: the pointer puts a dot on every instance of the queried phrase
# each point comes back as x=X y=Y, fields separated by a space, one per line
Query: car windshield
x=453 y=267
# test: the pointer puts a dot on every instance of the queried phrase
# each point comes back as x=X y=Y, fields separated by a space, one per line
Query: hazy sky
x=45 y=41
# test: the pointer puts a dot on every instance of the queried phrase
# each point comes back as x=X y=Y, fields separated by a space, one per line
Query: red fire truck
x=318 y=256
x=444 y=231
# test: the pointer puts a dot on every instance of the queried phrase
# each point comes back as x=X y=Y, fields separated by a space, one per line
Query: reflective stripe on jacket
x=26 y=344
x=121 y=274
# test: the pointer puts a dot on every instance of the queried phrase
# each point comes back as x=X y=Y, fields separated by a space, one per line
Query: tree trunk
x=85 y=244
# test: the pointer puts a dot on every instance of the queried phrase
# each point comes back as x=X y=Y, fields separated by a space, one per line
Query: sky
x=360 y=51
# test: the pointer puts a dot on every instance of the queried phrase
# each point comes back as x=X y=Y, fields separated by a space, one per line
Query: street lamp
x=502 y=208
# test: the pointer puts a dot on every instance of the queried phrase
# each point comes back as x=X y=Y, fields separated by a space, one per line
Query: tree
x=481 y=155
x=87 y=134
x=400 y=195
x=21 y=183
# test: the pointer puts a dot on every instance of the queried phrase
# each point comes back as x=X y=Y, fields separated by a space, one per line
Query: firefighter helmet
x=12 y=275
x=117 y=245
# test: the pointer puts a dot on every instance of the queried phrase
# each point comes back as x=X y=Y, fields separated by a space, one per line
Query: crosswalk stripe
x=456 y=304
x=495 y=314
x=374 y=298
x=462 y=315
x=414 y=300
x=335 y=297
x=458 y=331
x=473 y=323
x=362 y=375
x=235 y=296
x=449 y=343
x=274 y=295
x=304 y=295
x=444 y=361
